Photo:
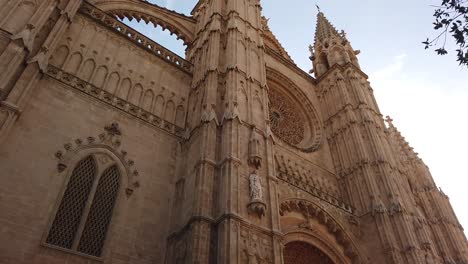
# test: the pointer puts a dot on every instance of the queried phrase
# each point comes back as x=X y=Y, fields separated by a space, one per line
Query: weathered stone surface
x=230 y=155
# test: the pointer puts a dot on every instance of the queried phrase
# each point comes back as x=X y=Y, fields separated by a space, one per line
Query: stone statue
x=255 y=187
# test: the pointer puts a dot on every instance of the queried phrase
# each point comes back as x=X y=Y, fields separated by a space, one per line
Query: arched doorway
x=298 y=252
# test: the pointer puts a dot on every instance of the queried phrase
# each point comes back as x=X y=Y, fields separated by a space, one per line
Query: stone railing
x=111 y=99
x=136 y=37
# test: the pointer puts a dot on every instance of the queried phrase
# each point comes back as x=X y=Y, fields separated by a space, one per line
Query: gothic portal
x=113 y=149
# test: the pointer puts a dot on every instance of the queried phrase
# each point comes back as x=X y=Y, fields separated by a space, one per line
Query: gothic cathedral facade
x=113 y=149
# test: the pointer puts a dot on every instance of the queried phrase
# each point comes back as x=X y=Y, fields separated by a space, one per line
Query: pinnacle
x=325 y=29
x=403 y=145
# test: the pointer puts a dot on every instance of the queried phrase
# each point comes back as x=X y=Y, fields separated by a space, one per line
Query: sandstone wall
x=97 y=78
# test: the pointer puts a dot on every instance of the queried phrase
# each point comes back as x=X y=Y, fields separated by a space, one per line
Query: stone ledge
x=114 y=101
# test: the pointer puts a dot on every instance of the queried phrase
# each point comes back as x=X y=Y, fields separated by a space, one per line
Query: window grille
x=80 y=229
x=100 y=214
x=67 y=219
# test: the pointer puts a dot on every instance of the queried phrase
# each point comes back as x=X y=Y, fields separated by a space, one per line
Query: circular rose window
x=293 y=120
x=286 y=120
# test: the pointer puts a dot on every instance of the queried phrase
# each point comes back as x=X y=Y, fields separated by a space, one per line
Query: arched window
x=85 y=211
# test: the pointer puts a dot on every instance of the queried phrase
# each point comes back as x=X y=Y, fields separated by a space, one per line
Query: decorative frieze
x=111 y=99
x=300 y=177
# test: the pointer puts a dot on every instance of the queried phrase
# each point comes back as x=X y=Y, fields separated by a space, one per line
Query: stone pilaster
x=27 y=54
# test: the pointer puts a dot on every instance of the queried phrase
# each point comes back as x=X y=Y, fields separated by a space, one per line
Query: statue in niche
x=256 y=204
x=255 y=187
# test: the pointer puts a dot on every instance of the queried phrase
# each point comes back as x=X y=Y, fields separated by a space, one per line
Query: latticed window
x=85 y=211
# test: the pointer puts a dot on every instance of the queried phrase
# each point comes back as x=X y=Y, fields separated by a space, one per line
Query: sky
x=425 y=94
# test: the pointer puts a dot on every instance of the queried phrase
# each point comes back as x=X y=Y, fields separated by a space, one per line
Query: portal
x=298 y=252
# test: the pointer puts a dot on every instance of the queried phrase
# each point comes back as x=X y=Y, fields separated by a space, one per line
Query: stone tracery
x=293 y=118
x=286 y=121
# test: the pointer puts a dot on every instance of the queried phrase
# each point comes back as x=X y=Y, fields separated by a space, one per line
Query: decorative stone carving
x=286 y=120
x=113 y=129
x=256 y=204
x=231 y=112
x=312 y=211
x=208 y=114
x=293 y=118
x=377 y=207
x=114 y=101
x=139 y=39
x=255 y=187
x=396 y=207
x=109 y=139
x=255 y=158
x=304 y=177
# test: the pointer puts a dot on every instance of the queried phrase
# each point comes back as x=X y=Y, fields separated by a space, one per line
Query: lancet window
x=84 y=214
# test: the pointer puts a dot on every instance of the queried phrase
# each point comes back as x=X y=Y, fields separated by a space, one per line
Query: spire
x=325 y=29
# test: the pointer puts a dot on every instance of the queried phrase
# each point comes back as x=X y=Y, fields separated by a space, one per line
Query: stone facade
x=115 y=150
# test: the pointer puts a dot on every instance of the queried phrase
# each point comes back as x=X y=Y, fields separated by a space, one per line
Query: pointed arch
x=87 y=70
x=180 y=116
x=113 y=82
x=124 y=89
x=74 y=63
x=297 y=252
x=136 y=94
x=147 y=100
x=69 y=214
x=242 y=103
x=100 y=77
x=59 y=57
x=82 y=220
x=169 y=112
x=258 y=113
x=299 y=217
x=100 y=213
x=159 y=106
x=20 y=16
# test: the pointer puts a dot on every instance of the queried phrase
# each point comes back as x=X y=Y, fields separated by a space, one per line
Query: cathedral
x=113 y=149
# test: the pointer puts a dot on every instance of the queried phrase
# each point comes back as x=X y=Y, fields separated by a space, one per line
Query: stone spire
x=325 y=30
x=331 y=47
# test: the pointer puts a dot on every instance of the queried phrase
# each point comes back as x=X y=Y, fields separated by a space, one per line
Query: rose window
x=286 y=120
x=293 y=118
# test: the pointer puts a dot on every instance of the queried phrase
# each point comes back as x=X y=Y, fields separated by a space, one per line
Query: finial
x=318 y=8
x=389 y=120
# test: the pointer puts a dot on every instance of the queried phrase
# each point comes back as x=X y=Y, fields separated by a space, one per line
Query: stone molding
x=179 y=24
x=109 y=140
x=289 y=173
x=110 y=99
x=310 y=210
x=137 y=38
x=315 y=140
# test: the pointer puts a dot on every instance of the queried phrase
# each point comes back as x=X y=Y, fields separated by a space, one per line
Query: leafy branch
x=451 y=17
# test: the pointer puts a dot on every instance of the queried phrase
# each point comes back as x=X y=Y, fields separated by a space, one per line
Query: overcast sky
x=425 y=94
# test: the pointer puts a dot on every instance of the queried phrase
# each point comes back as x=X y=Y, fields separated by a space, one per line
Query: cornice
x=119 y=104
